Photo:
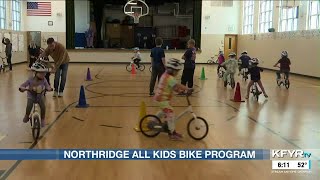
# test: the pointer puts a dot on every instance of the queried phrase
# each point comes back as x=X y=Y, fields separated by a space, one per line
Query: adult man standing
x=61 y=61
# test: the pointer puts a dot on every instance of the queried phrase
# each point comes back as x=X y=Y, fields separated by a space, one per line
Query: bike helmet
x=254 y=61
x=174 y=64
x=284 y=54
x=244 y=52
x=232 y=54
x=39 y=67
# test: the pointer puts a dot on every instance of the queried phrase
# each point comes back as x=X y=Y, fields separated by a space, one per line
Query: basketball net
x=136 y=17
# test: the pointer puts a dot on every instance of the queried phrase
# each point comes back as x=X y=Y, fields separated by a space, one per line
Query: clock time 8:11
x=283 y=164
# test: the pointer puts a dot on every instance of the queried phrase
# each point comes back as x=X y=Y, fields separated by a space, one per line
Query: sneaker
x=151 y=94
x=43 y=123
x=60 y=94
x=266 y=96
x=55 y=94
x=26 y=119
x=175 y=136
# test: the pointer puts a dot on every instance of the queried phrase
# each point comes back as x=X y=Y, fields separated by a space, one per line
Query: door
x=230 y=45
x=34 y=36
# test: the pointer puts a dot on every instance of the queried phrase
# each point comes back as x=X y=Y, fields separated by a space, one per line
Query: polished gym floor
x=288 y=119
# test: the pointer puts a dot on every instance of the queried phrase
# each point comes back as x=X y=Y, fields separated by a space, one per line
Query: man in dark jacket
x=8 y=44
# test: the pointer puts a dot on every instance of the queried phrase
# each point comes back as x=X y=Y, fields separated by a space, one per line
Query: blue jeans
x=60 y=77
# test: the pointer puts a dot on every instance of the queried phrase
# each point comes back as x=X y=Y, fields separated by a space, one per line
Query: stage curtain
x=70 y=24
x=197 y=22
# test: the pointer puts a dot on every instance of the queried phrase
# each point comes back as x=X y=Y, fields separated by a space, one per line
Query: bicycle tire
x=287 y=84
x=190 y=129
x=36 y=128
x=233 y=84
x=142 y=67
x=257 y=96
x=279 y=82
x=144 y=129
x=129 y=68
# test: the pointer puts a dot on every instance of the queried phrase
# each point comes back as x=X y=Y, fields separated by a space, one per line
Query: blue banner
x=134 y=154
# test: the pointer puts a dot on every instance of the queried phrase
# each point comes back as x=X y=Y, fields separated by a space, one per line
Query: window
x=16 y=15
x=288 y=17
x=3 y=14
x=314 y=15
x=265 y=16
x=248 y=10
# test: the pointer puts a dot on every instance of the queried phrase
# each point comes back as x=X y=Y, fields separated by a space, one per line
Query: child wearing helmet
x=167 y=85
x=34 y=83
x=284 y=65
x=136 y=57
x=231 y=67
x=220 y=61
x=254 y=72
x=243 y=61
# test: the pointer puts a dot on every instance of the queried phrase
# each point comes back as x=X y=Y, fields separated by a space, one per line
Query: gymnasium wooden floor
x=289 y=119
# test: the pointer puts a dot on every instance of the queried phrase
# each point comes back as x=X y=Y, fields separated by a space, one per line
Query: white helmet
x=284 y=54
x=254 y=61
x=232 y=54
x=244 y=52
x=174 y=64
x=39 y=67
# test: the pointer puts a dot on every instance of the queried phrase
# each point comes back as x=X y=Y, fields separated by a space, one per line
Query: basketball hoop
x=136 y=17
x=136 y=9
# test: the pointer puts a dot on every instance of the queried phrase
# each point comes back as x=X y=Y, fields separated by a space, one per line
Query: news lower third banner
x=134 y=154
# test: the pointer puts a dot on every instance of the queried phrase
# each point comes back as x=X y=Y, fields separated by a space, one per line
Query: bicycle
x=129 y=66
x=35 y=116
x=244 y=73
x=213 y=60
x=151 y=125
x=221 y=72
x=284 y=80
x=3 y=65
x=230 y=81
x=255 y=91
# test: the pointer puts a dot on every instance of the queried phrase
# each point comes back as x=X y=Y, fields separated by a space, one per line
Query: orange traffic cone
x=133 y=69
x=237 y=94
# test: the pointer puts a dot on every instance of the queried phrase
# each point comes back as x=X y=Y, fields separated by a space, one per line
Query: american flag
x=38 y=8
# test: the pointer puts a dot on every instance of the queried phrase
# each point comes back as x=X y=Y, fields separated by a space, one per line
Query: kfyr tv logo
x=294 y=154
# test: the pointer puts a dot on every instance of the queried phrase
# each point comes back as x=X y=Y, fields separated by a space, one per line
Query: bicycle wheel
x=279 y=82
x=198 y=128
x=150 y=125
x=233 y=84
x=129 y=68
x=36 y=128
x=287 y=84
x=142 y=67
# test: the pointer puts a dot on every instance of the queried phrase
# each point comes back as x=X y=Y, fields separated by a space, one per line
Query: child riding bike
x=244 y=61
x=220 y=61
x=231 y=67
x=284 y=65
x=136 y=57
x=254 y=72
x=164 y=92
x=32 y=84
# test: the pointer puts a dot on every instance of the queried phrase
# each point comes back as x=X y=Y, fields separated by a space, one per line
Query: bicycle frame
x=36 y=111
